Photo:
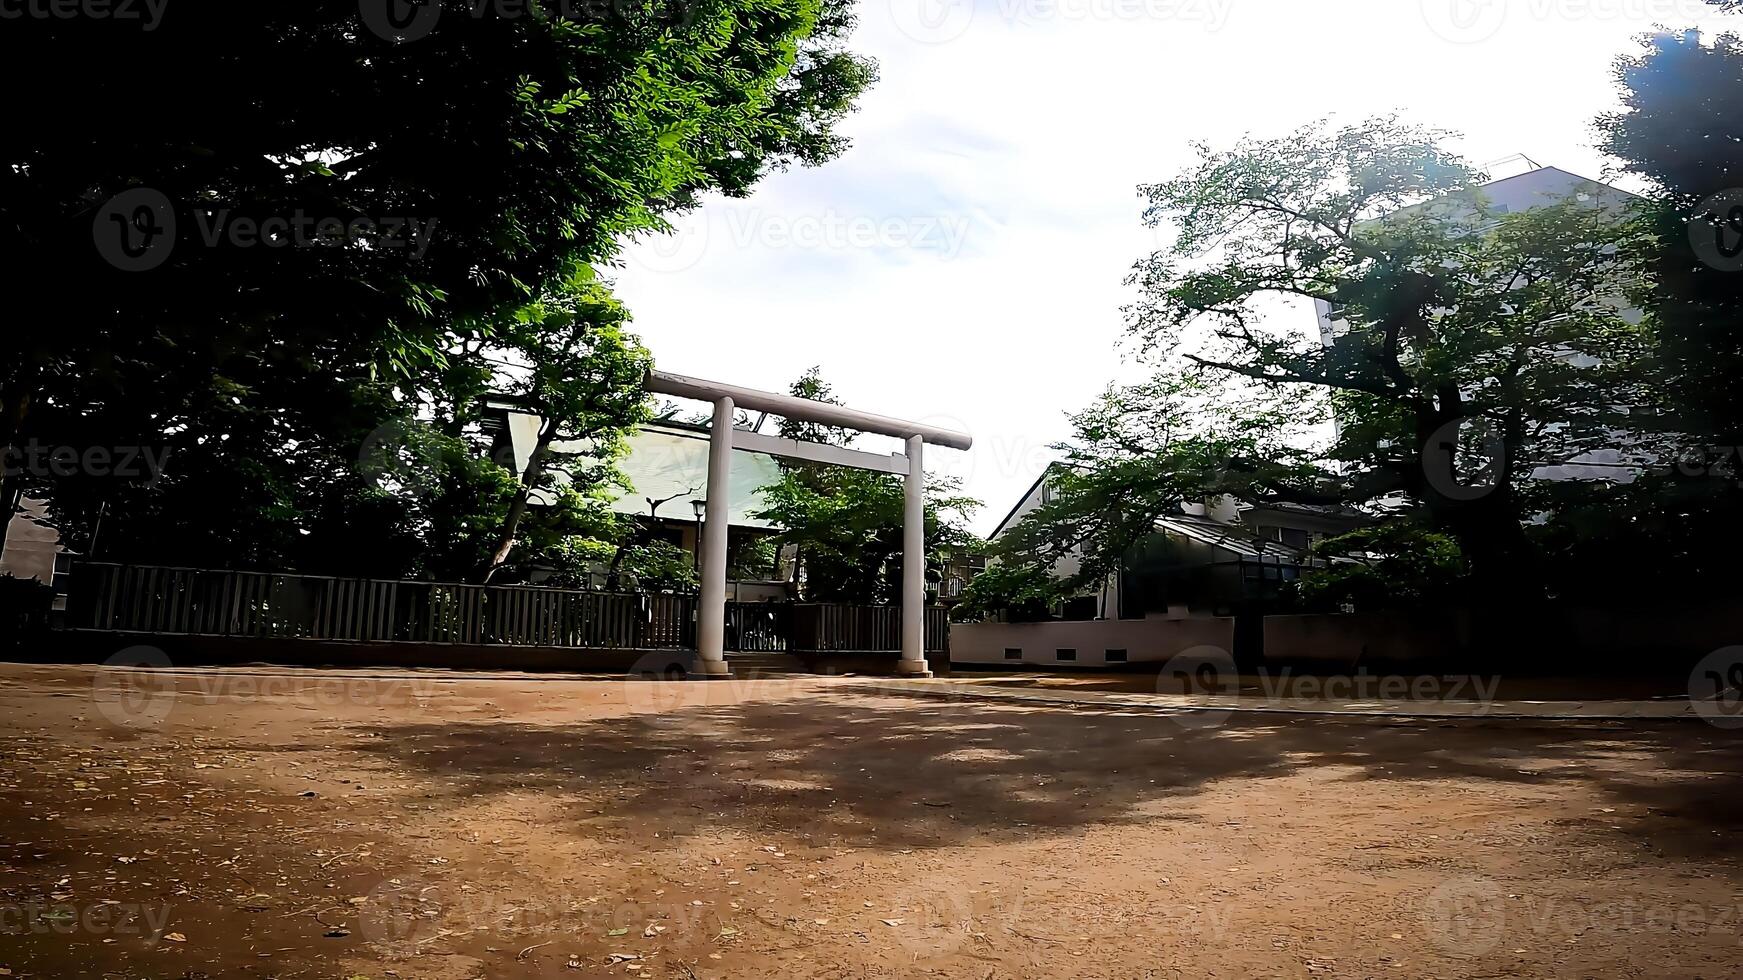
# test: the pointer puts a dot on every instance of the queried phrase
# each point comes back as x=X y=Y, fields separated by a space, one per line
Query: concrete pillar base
x=912 y=668
x=708 y=669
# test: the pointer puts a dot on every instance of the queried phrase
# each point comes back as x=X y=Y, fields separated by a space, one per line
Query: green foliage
x=847 y=526
x=583 y=380
x=847 y=523
x=536 y=145
x=1392 y=564
x=660 y=566
x=1680 y=122
x=1016 y=593
x=1140 y=451
x=1457 y=320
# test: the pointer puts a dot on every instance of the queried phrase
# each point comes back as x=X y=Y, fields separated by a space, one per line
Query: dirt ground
x=441 y=827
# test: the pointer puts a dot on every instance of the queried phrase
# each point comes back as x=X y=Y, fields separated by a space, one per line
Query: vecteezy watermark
x=1200 y=671
x=1716 y=230
x=940 y=235
x=142 y=463
x=404 y=913
x=1716 y=687
x=1469 y=916
x=1716 y=461
x=1474 y=21
x=404 y=21
x=137 y=229
x=1464 y=459
x=938 y=21
x=64 y=918
x=1465 y=916
x=1210 y=671
x=146 y=13
x=134 y=690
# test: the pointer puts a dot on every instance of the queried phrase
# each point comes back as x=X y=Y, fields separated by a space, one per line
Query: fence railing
x=202 y=602
x=758 y=627
x=833 y=628
x=205 y=602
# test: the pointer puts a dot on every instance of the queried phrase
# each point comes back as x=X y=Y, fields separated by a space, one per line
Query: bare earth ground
x=242 y=824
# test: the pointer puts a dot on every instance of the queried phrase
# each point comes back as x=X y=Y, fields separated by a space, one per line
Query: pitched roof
x=665 y=460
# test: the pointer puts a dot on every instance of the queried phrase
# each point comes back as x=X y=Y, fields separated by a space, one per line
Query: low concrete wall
x=1038 y=644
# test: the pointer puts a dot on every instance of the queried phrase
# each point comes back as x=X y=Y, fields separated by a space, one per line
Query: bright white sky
x=962 y=263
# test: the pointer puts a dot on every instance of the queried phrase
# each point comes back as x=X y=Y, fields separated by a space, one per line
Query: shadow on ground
x=896 y=773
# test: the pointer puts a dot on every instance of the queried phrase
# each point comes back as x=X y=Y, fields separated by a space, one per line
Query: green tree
x=1681 y=117
x=846 y=524
x=583 y=380
x=526 y=144
x=1475 y=348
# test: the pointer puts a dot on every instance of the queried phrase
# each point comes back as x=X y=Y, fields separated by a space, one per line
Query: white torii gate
x=711 y=612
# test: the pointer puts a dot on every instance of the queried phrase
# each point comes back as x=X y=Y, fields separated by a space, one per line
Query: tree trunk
x=511 y=521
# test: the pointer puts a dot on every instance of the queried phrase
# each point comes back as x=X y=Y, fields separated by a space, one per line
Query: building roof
x=1229 y=537
x=668 y=459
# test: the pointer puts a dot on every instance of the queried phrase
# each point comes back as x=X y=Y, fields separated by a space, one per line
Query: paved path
x=1680 y=709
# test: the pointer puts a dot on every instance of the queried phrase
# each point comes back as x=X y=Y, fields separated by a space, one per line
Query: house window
x=1116 y=656
x=1013 y=653
x=1065 y=653
x=63 y=571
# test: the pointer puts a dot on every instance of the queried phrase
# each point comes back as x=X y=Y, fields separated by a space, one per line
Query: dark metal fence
x=832 y=628
x=758 y=627
x=189 y=601
x=204 y=602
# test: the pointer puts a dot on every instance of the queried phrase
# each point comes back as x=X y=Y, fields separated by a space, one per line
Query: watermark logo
x=1465 y=21
x=1475 y=21
x=142 y=463
x=108 y=918
x=1464 y=459
x=1716 y=230
x=400 y=21
x=1199 y=672
x=1712 y=461
x=932 y=21
x=939 y=21
x=830 y=231
x=1465 y=917
x=131 y=691
x=1716 y=687
x=135 y=230
x=937 y=916
x=405 y=21
x=147 y=13
x=138 y=229
x=402 y=913
x=679 y=248
x=400 y=457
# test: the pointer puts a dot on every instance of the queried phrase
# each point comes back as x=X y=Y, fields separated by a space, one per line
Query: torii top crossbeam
x=711 y=611
x=803 y=409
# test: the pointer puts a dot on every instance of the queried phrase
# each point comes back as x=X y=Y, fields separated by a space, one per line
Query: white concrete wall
x=31 y=544
x=1144 y=640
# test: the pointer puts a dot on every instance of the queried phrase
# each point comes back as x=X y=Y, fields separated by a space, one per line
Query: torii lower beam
x=711 y=611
